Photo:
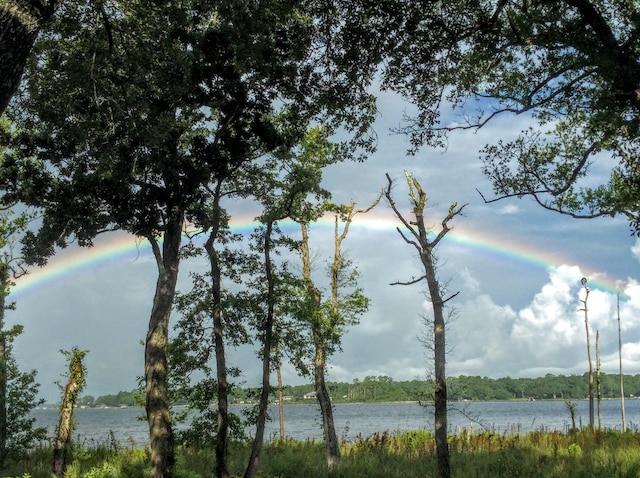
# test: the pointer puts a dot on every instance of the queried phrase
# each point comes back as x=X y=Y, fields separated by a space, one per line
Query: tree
x=571 y=66
x=20 y=23
x=137 y=108
x=621 y=377
x=212 y=317
x=77 y=379
x=18 y=390
x=419 y=236
x=585 y=309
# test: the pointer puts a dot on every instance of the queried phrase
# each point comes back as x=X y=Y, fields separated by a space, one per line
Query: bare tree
x=420 y=237
x=624 y=421
x=598 y=380
x=583 y=281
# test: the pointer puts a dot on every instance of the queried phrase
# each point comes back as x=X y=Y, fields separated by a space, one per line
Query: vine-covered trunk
x=65 y=424
x=161 y=438
x=332 y=448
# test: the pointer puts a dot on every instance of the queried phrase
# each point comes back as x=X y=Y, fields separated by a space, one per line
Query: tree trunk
x=280 y=402
x=598 y=380
x=256 y=449
x=586 y=325
x=65 y=425
x=4 y=279
x=319 y=363
x=426 y=248
x=161 y=437
x=332 y=447
x=222 y=432
x=20 y=22
x=624 y=421
x=439 y=348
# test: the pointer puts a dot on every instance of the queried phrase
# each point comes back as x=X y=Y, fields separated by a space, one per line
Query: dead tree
x=75 y=385
x=624 y=421
x=425 y=242
x=583 y=281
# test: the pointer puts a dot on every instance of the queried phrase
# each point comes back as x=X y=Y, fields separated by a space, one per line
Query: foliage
x=409 y=454
x=22 y=397
x=571 y=67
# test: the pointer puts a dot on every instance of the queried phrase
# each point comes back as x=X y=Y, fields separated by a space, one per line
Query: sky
x=516 y=269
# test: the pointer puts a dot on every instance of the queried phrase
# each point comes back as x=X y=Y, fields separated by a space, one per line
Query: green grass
x=406 y=455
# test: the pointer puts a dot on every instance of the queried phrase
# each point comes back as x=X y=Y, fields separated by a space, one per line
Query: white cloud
x=509 y=209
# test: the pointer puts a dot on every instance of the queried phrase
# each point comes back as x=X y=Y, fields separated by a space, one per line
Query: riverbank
x=406 y=455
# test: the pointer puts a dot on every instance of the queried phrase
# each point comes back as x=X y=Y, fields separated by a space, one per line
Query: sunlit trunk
x=161 y=437
x=74 y=386
x=439 y=348
x=332 y=448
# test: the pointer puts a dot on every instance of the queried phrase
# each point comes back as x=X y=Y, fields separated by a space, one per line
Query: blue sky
x=516 y=315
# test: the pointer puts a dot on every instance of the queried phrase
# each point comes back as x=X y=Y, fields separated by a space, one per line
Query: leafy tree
x=138 y=107
x=572 y=66
x=212 y=316
x=20 y=23
x=18 y=390
x=419 y=236
x=328 y=319
x=19 y=426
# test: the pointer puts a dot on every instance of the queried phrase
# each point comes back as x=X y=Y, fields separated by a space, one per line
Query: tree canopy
x=572 y=66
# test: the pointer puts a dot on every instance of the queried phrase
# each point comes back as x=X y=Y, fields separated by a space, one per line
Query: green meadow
x=406 y=455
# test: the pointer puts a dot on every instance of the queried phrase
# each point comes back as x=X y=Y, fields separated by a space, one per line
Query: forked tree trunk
x=332 y=449
x=161 y=437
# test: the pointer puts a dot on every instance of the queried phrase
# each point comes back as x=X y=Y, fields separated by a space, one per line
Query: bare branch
x=414 y=281
x=387 y=194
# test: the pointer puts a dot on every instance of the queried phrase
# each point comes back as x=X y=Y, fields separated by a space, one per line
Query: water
x=302 y=421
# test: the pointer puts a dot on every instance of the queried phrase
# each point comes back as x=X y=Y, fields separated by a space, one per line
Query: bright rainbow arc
x=123 y=247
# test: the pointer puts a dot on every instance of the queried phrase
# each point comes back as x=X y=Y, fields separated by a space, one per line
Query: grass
x=405 y=455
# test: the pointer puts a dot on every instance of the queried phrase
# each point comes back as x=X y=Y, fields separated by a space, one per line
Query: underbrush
x=402 y=455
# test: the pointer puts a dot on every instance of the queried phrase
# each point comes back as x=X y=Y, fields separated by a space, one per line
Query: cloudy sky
x=517 y=269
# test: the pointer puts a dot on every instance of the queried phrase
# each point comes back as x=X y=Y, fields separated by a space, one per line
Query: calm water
x=303 y=421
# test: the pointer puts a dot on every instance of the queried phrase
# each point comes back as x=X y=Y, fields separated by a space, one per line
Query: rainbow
x=121 y=247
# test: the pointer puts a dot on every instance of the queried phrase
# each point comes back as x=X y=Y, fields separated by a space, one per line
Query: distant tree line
x=385 y=389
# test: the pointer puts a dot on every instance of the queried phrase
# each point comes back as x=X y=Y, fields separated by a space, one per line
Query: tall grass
x=402 y=455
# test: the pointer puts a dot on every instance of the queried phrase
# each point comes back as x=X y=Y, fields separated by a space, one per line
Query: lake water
x=302 y=421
